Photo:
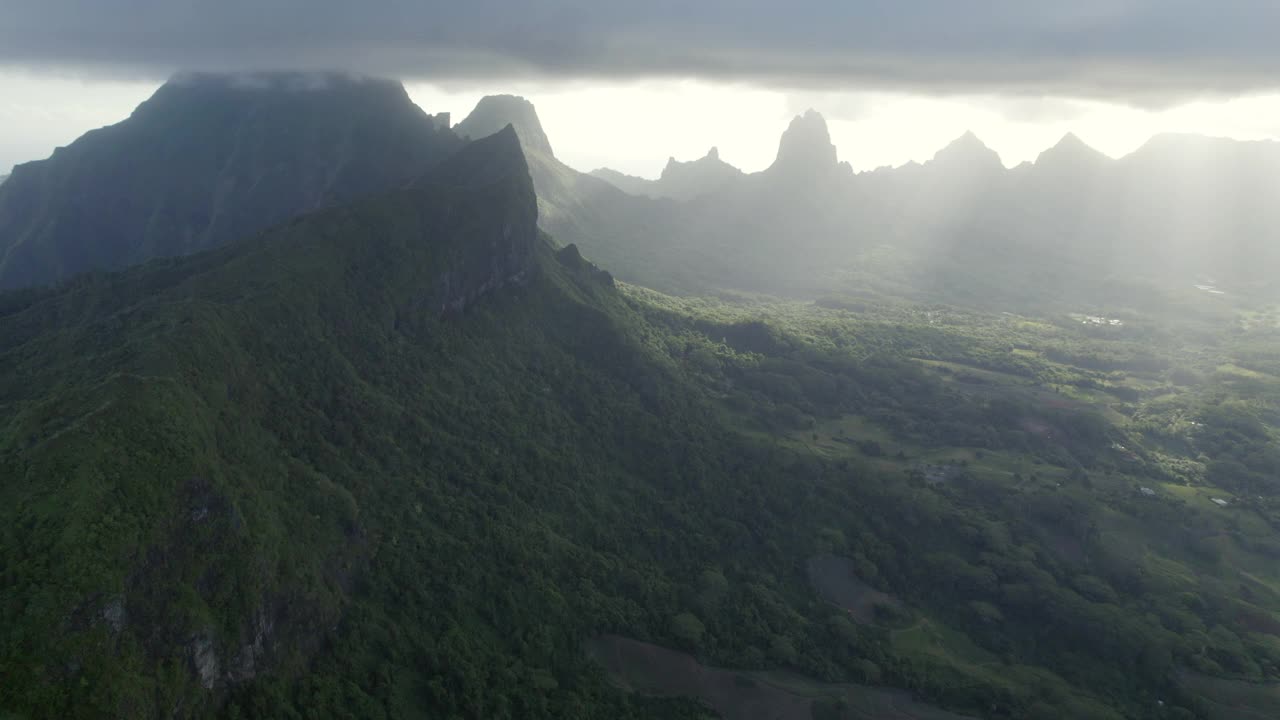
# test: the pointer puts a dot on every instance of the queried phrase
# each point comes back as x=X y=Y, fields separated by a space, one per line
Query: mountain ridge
x=494 y=112
x=205 y=160
x=679 y=180
x=805 y=148
x=1073 y=206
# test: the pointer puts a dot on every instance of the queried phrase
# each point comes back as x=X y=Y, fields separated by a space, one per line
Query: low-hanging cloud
x=1144 y=51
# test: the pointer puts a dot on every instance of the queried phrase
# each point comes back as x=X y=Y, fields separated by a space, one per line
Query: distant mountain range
x=209 y=159
x=679 y=180
x=962 y=225
x=328 y=412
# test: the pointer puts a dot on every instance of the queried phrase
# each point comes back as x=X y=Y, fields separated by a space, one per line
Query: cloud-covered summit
x=1138 y=50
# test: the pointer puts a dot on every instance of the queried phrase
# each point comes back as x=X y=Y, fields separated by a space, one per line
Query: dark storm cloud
x=1136 y=49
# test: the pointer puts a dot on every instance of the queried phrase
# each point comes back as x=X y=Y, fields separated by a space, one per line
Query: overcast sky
x=626 y=84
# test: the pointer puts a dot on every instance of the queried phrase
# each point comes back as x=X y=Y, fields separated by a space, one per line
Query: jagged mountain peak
x=710 y=162
x=486 y=161
x=968 y=150
x=1072 y=140
x=495 y=112
x=968 y=142
x=210 y=159
x=806 y=145
x=711 y=158
x=1072 y=150
x=679 y=180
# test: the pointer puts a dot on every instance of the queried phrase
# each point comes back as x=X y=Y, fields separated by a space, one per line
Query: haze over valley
x=659 y=395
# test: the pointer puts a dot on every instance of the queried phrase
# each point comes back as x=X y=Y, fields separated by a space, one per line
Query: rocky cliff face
x=495 y=112
x=233 y=571
x=687 y=180
x=498 y=248
x=806 y=149
x=206 y=160
x=507 y=260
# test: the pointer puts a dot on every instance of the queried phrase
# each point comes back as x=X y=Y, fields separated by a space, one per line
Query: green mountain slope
x=396 y=456
x=406 y=458
x=206 y=160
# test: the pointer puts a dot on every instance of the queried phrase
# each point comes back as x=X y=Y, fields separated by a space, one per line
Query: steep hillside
x=613 y=228
x=405 y=457
x=209 y=159
x=220 y=470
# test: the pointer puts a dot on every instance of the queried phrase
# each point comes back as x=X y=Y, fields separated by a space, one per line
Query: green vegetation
x=406 y=458
x=209 y=160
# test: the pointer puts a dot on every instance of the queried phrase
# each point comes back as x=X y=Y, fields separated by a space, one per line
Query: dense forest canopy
x=403 y=420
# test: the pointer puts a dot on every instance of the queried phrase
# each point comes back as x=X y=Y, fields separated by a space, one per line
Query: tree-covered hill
x=391 y=459
x=408 y=457
x=206 y=160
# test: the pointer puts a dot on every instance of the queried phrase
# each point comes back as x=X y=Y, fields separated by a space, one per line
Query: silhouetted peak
x=709 y=163
x=1072 y=141
x=806 y=145
x=494 y=112
x=1070 y=150
x=491 y=159
x=500 y=251
x=968 y=151
x=969 y=142
x=209 y=159
x=684 y=180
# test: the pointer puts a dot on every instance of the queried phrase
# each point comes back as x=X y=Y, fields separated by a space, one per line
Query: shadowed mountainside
x=209 y=159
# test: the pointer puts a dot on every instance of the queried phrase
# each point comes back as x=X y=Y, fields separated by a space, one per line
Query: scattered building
x=1098 y=320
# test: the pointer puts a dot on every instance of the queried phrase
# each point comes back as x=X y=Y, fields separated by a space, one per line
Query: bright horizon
x=635 y=126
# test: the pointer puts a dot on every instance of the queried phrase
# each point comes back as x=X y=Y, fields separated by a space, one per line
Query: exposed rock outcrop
x=499 y=249
x=210 y=159
x=806 y=148
x=495 y=112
